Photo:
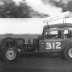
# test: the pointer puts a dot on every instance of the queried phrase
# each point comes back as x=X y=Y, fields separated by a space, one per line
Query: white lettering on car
x=58 y=45
x=53 y=45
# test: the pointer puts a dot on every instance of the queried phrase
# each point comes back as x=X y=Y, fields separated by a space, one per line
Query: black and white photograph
x=35 y=35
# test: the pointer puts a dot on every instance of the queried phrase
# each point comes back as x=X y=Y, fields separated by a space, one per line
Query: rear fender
x=66 y=43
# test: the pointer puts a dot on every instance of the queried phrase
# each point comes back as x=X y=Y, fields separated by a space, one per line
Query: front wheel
x=68 y=53
x=9 y=55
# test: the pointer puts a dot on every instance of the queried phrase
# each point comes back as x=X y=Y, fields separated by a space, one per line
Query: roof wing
x=58 y=16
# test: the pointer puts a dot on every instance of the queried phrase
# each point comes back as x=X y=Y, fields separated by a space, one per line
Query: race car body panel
x=51 y=45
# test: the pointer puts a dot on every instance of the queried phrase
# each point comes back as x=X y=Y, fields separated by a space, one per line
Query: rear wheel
x=68 y=53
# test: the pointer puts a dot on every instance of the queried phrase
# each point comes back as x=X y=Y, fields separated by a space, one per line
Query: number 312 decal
x=53 y=45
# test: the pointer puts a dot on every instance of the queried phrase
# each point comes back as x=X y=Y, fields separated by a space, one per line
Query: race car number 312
x=53 y=45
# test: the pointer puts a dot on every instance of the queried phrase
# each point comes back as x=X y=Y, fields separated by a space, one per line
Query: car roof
x=60 y=25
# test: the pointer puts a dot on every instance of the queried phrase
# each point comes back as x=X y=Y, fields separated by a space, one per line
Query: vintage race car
x=55 y=38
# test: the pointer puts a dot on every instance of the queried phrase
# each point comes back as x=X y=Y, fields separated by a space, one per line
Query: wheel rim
x=70 y=53
x=10 y=54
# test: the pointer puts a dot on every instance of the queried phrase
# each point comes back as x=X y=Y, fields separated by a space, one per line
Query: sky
x=33 y=25
x=50 y=7
x=25 y=26
x=40 y=7
x=21 y=25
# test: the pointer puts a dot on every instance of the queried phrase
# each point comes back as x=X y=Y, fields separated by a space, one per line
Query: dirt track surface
x=37 y=64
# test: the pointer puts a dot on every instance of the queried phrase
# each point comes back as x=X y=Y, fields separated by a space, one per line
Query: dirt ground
x=37 y=64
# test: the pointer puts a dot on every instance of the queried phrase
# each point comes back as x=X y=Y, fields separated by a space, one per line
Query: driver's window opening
x=68 y=33
x=53 y=34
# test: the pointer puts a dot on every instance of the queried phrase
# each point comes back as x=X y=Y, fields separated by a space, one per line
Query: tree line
x=11 y=10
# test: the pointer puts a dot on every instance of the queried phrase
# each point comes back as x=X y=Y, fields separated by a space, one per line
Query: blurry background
x=26 y=16
x=33 y=8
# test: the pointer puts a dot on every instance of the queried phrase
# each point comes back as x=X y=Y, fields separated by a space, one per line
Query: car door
x=54 y=42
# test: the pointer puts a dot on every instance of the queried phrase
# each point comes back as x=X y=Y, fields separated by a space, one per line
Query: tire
x=9 y=54
x=68 y=53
